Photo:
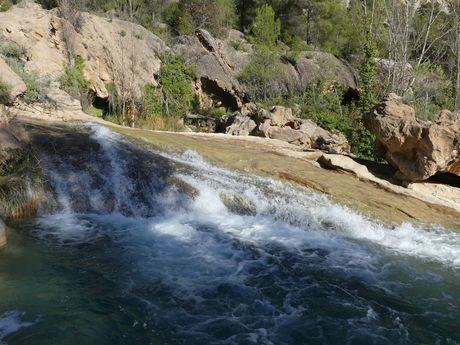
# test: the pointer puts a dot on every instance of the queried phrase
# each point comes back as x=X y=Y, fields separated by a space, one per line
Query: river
x=144 y=247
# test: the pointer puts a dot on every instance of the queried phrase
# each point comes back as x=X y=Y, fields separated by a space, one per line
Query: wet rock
x=417 y=148
x=182 y=186
x=238 y=204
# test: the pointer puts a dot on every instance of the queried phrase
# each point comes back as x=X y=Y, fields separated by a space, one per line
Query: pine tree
x=368 y=74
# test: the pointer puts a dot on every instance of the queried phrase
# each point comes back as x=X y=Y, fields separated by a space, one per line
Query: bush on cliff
x=73 y=80
x=174 y=95
x=4 y=92
x=186 y=16
x=14 y=56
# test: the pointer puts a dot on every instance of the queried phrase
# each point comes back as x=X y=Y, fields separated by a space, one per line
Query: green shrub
x=264 y=71
x=172 y=98
x=48 y=4
x=262 y=74
x=4 y=92
x=177 y=90
x=152 y=101
x=73 y=80
x=216 y=113
x=12 y=50
x=5 y=5
x=178 y=19
x=432 y=91
x=36 y=87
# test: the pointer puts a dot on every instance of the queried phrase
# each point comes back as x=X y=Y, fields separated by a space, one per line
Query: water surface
x=139 y=248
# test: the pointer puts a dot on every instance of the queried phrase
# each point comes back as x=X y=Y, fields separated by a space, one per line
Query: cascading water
x=140 y=247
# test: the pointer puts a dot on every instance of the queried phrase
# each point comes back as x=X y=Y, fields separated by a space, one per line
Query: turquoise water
x=122 y=255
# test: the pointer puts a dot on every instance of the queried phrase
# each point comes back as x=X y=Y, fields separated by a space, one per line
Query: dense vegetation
x=408 y=47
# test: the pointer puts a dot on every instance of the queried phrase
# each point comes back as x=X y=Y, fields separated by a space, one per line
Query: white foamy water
x=314 y=212
x=11 y=322
x=256 y=272
x=285 y=214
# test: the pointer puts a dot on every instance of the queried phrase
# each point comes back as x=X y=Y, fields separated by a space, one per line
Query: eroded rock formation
x=214 y=60
x=113 y=53
x=417 y=148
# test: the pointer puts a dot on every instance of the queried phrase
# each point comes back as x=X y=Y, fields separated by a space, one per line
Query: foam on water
x=314 y=212
x=285 y=214
x=248 y=272
x=11 y=322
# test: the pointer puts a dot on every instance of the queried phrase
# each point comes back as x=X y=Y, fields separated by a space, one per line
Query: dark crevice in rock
x=102 y=104
x=446 y=178
x=226 y=99
x=205 y=41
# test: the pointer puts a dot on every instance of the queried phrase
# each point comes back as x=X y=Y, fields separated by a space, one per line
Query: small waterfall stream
x=143 y=247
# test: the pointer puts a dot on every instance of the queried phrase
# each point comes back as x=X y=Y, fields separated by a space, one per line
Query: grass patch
x=4 y=92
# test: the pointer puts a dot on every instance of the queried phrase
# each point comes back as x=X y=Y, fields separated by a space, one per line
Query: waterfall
x=184 y=252
x=118 y=178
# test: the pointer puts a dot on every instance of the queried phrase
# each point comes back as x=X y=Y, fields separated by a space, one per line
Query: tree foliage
x=175 y=94
x=265 y=69
x=186 y=16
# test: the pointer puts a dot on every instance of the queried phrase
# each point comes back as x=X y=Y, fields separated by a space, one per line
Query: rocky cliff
x=127 y=56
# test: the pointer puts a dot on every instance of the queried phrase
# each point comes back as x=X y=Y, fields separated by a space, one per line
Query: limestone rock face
x=216 y=81
x=113 y=53
x=321 y=65
x=15 y=83
x=118 y=52
x=417 y=148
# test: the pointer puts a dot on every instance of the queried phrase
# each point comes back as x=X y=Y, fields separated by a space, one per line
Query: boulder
x=289 y=135
x=417 y=148
x=239 y=124
x=277 y=116
x=238 y=204
x=16 y=86
x=329 y=141
x=403 y=72
x=344 y=163
x=279 y=123
x=201 y=123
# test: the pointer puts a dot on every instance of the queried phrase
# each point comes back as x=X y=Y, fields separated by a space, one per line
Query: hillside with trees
x=406 y=47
